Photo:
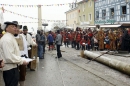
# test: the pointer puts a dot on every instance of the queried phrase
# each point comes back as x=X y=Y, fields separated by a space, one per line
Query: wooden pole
x=116 y=64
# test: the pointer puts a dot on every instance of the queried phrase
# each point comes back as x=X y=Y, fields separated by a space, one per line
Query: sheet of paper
x=27 y=59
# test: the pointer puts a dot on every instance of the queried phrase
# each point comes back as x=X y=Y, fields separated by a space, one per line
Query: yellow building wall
x=72 y=18
x=87 y=9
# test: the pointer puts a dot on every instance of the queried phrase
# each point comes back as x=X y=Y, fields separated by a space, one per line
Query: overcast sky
x=48 y=12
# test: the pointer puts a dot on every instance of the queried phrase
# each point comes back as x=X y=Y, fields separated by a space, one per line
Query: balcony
x=111 y=17
x=123 y=15
x=96 y=18
x=104 y=17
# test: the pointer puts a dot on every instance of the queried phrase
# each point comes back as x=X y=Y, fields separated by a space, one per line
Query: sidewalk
x=105 y=72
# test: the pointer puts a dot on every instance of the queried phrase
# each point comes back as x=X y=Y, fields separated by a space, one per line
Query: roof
x=82 y=1
x=71 y=10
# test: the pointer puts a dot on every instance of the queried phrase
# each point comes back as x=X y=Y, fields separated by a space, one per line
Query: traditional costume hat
x=5 y=25
x=16 y=22
x=10 y=23
x=25 y=28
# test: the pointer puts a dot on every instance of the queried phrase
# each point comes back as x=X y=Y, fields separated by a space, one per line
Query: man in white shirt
x=30 y=43
x=11 y=55
x=22 y=43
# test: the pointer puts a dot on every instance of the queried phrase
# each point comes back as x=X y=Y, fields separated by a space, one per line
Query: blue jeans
x=40 y=51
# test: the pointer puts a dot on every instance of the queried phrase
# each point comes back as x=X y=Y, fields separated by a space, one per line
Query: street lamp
x=44 y=24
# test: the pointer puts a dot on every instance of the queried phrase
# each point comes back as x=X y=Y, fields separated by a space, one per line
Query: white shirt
x=9 y=51
x=25 y=51
x=29 y=40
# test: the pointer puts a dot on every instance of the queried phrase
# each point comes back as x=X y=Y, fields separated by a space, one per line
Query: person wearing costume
x=22 y=43
x=10 y=54
x=30 y=44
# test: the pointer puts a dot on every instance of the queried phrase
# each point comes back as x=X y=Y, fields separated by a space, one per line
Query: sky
x=48 y=12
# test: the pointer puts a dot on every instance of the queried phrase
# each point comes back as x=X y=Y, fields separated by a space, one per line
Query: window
x=79 y=18
x=97 y=15
x=72 y=6
x=90 y=3
x=83 y=7
x=90 y=17
x=112 y=13
x=123 y=9
x=83 y=17
x=103 y=14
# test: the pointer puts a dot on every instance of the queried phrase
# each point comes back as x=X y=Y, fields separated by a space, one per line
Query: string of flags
x=44 y=20
x=33 y=22
x=10 y=5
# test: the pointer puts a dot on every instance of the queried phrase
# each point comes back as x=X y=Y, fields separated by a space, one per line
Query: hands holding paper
x=26 y=60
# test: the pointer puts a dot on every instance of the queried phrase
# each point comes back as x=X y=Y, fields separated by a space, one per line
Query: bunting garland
x=44 y=20
x=35 y=5
x=35 y=22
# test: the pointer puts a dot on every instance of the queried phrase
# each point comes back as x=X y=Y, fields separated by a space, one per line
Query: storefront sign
x=105 y=21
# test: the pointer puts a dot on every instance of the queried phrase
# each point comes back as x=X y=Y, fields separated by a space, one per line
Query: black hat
x=20 y=26
x=25 y=28
x=10 y=23
x=5 y=25
x=16 y=22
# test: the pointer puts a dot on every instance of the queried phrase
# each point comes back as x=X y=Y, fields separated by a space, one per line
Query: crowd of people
x=17 y=43
x=101 y=39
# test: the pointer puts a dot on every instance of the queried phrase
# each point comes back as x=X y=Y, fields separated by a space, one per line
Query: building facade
x=72 y=17
x=112 y=11
x=86 y=13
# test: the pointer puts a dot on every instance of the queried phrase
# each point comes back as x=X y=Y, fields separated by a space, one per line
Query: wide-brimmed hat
x=16 y=22
x=10 y=23
x=4 y=26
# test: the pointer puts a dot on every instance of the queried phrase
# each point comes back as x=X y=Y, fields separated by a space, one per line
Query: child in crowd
x=83 y=43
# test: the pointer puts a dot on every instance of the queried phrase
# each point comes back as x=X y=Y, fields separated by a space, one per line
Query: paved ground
x=72 y=70
x=111 y=75
x=64 y=73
